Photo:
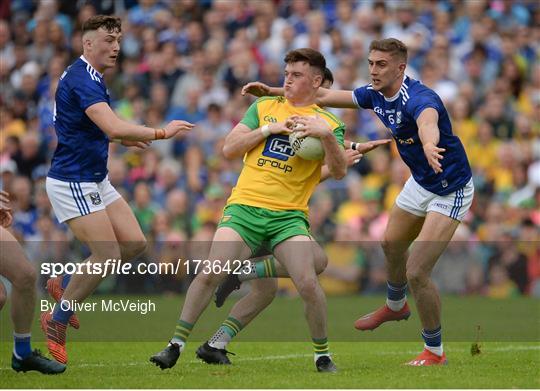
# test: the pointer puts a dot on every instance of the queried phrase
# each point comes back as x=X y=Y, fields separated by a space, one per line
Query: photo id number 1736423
x=217 y=266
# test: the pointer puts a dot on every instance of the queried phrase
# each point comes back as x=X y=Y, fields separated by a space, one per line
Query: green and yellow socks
x=227 y=331
x=260 y=269
x=181 y=333
x=320 y=347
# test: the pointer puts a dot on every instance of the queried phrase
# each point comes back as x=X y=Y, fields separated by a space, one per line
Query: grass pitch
x=112 y=350
x=288 y=365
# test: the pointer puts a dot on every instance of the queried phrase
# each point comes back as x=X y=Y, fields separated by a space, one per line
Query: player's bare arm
x=354 y=152
x=242 y=139
x=325 y=97
x=367 y=146
x=428 y=130
x=335 y=98
x=136 y=144
x=352 y=158
x=103 y=116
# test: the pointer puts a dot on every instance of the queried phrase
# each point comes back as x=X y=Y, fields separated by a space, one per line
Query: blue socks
x=433 y=340
x=395 y=294
x=62 y=313
x=22 y=348
x=65 y=280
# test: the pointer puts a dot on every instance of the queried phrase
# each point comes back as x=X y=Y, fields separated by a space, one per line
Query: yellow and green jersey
x=272 y=176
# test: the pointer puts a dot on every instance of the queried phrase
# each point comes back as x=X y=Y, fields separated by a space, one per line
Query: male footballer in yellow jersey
x=270 y=201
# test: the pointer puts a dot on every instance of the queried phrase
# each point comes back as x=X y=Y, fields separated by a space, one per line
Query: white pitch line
x=289 y=356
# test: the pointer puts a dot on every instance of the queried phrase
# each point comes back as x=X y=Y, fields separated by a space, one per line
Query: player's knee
x=131 y=249
x=25 y=278
x=386 y=245
x=417 y=277
x=106 y=250
x=308 y=288
x=321 y=261
x=208 y=280
x=393 y=250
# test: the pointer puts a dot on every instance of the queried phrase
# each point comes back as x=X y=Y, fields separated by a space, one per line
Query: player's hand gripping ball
x=308 y=148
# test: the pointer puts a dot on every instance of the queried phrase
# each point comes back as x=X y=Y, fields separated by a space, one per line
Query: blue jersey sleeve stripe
x=354 y=99
x=82 y=197
x=75 y=198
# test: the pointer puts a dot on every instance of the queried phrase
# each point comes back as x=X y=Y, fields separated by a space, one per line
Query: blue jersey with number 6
x=399 y=114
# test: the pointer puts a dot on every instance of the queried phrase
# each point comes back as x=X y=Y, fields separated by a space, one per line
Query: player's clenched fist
x=177 y=126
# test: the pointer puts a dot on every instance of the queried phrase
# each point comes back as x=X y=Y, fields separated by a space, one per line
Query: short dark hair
x=109 y=23
x=390 y=45
x=311 y=56
x=328 y=76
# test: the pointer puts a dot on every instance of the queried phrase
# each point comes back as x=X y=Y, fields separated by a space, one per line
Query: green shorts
x=260 y=227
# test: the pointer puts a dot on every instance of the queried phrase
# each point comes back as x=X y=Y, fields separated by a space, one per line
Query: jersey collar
x=289 y=105
x=402 y=89
x=86 y=61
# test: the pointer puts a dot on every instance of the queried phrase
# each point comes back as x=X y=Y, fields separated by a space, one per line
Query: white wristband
x=265 y=130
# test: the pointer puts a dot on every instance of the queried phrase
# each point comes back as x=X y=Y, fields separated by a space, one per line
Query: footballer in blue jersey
x=399 y=114
x=77 y=182
x=433 y=201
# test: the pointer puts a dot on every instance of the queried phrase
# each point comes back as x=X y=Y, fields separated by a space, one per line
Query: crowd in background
x=188 y=59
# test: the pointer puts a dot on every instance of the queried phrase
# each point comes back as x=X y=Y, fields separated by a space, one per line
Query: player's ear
x=317 y=81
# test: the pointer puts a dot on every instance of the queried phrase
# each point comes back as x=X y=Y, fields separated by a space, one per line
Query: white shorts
x=74 y=199
x=418 y=201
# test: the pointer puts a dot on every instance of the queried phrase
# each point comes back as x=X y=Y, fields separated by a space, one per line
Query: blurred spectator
x=188 y=60
x=24 y=212
x=142 y=206
x=500 y=285
x=29 y=157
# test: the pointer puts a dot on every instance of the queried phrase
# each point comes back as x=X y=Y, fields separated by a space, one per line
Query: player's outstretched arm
x=335 y=98
x=367 y=146
x=325 y=97
x=242 y=139
x=352 y=158
x=116 y=128
x=429 y=134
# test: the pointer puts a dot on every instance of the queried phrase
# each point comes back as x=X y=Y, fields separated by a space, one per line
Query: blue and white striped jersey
x=399 y=115
x=82 y=151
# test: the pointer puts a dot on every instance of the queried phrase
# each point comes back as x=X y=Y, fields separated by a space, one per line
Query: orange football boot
x=384 y=314
x=55 y=332
x=427 y=358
